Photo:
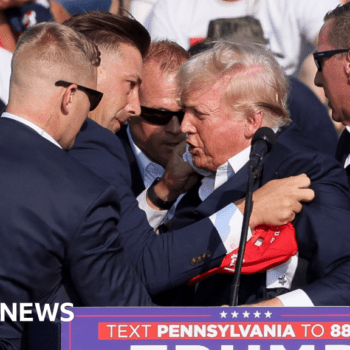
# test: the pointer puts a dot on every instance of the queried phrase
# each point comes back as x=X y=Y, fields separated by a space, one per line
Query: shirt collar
x=33 y=126
x=232 y=166
x=348 y=128
x=239 y=160
x=144 y=163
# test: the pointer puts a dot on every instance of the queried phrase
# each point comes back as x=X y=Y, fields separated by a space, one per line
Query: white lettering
x=211 y=331
x=46 y=310
x=121 y=331
x=134 y=331
x=244 y=330
x=289 y=331
x=111 y=326
x=12 y=316
x=162 y=329
x=23 y=312
x=174 y=331
x=319 y=334
x=223 y=330
x=146 y=326
x=70 y=313
x=256 y=331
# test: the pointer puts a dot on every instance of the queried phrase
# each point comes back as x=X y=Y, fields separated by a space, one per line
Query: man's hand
x=278 y=201
x=178 y=178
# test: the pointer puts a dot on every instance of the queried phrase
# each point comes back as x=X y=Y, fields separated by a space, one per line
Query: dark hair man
x=333 y=73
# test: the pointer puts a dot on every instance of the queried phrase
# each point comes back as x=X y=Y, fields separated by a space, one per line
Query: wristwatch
x=155 y=199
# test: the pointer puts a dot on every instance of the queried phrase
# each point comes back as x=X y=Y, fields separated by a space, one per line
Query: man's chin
x=338 y=118
x=115 y=125
x=200 y=169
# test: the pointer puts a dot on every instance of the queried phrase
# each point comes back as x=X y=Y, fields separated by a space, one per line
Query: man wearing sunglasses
x=332 y=59
x=150 y=139
x=58 y=219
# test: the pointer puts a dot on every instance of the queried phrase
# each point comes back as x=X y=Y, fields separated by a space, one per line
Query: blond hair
x=256 y=81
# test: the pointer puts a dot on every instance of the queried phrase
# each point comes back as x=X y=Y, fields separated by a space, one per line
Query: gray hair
x=257 y=83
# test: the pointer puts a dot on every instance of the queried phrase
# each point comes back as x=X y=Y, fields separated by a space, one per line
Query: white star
x=234 y=314
x=246 y=314
x=257 y=314
x=268 y=314
x=223 y=314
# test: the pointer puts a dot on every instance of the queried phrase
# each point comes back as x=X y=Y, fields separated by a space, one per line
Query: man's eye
x=199 y=114
x=132 y=84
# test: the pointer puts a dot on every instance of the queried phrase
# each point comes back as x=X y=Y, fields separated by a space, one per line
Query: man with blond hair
x=228 y=93
x=58 y=219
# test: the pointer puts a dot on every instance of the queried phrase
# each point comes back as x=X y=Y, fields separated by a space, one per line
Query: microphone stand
x=254 y=173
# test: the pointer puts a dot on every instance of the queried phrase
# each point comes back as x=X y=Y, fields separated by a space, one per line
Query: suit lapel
x=137 y=184
x=191 y=209
x=343 y=149
x=229 y=192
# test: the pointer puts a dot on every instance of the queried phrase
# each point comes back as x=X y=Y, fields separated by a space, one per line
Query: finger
x=305 y=182
x=297 y=208
x=181 y=146
x=306 y=195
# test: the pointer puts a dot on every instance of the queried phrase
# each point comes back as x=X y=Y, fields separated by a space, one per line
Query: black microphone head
x=266 y=134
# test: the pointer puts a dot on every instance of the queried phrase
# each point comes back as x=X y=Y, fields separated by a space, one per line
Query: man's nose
x=186 y=126
x=174 y=126
x=133 y=107
x=318 y=79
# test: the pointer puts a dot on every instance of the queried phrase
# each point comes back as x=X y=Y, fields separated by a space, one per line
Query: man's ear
x=347 y=65
x=68 y=98
x=253 y=123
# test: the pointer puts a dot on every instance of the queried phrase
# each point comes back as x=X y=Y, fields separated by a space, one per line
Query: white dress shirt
x=33 y=126
x=347 y=160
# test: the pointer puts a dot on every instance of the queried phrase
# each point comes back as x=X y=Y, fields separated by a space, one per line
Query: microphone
x=262 y=142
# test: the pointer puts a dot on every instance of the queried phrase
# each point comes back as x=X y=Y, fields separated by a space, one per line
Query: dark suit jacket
x=58 y=223
x=137 y=184
x=311 y=116
x=343 y=150
x=322 y=227
x=162 y=261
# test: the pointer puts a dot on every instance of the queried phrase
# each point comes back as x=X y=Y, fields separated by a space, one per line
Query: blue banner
x=225 y=328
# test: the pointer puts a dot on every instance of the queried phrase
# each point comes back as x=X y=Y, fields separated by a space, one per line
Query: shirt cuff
x=155 y=217
x=295 y=298
x=228 y=222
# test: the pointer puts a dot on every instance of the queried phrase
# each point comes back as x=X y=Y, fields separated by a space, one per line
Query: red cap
x=270 y=246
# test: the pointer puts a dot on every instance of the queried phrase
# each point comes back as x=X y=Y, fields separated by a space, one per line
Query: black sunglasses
x=322 y=54
x=160 y=117
x=93 y=95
